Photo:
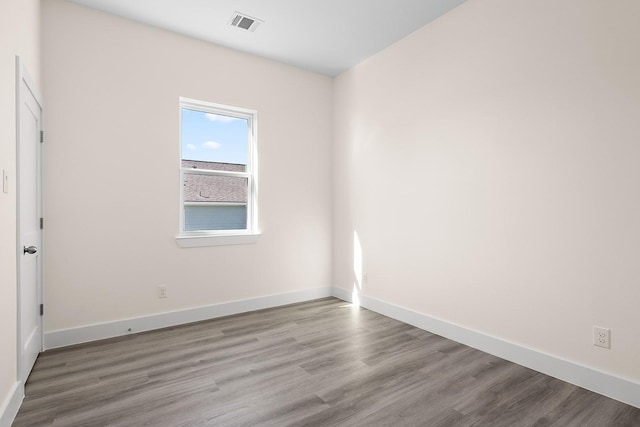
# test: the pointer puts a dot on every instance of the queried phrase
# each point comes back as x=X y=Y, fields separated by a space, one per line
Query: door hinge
x=41 y=309
x=41 y=223
x=41 y=136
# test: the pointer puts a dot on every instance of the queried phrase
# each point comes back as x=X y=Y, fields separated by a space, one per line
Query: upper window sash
x=239 y=113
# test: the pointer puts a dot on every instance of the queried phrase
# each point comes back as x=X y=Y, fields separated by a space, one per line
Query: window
x=218 y=164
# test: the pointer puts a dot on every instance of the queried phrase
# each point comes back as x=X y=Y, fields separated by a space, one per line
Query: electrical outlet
x=162 y=291
x=601 y=337
x=365 y=278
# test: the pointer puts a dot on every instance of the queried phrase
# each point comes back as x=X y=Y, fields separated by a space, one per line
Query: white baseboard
x=11 y=405
x=65 y=337
x=342 y=294
x=622 y=389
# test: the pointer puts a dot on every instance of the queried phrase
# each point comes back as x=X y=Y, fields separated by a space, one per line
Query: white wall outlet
x=601 y=337
x=162 y=291
x=365 y=278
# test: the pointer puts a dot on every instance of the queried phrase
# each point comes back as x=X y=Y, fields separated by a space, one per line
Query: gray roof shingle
x=214 y=189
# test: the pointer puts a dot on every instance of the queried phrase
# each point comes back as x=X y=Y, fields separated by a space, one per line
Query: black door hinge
x=41 y=136
x=41 y=223
x=41 y=309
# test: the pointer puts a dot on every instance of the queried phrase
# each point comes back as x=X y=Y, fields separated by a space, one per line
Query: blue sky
x=212 y=137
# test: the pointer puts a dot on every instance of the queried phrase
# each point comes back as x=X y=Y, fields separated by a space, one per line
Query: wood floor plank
x=318 y=363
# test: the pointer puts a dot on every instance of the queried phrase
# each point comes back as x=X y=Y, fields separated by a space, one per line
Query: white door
x=29 y=110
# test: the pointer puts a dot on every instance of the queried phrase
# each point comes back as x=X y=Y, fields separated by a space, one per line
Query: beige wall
x=19 y=35
x=489 y=165
x=111 y=88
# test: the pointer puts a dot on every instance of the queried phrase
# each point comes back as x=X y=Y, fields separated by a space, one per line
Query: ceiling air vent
x=245 y=22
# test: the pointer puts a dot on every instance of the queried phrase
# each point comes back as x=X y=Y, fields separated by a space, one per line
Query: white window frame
x=189 y=239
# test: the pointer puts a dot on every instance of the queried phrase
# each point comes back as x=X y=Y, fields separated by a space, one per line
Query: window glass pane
x=214 y=141
x=214 y=202
x=202 y=218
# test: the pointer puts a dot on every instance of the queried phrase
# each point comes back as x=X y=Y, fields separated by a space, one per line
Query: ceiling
x=324 y=36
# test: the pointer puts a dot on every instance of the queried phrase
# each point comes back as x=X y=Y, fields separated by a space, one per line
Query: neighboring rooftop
x=214 y=189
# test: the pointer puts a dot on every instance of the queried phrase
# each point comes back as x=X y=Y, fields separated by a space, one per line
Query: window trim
x=187 y=239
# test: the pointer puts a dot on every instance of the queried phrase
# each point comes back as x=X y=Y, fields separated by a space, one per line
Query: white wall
x=487 y=162
x=489 y=166
x=19 y=35
x=111 y=204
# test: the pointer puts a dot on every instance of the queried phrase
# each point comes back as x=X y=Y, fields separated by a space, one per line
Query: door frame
x=23 y=78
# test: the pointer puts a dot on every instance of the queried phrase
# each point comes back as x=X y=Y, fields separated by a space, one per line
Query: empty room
x=328 y=213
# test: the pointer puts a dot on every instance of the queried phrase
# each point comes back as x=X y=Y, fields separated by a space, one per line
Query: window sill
x=217 y=240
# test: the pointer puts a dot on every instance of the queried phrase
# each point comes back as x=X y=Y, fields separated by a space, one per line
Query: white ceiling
x=325 y=36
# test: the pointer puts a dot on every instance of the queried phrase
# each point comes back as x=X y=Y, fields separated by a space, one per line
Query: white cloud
x=191 y=147
x=219 y=118
x=212 y=145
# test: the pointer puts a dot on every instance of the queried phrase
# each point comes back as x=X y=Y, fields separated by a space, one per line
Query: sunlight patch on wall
x=357 y=269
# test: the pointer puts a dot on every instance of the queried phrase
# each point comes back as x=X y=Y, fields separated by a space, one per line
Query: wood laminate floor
x=319 y=363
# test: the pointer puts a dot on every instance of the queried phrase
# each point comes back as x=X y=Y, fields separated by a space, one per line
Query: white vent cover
x=245 y=22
